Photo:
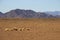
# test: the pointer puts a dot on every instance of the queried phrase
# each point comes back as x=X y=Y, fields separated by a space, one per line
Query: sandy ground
x=39 y=29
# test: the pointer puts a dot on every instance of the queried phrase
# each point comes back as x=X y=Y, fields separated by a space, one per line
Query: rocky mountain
x=19 y=13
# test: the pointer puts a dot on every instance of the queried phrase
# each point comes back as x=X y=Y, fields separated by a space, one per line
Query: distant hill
x=19 y=13
x=54 y=13
x=1 y=15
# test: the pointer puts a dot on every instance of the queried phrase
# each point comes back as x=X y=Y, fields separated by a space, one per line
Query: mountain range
x=20 y=13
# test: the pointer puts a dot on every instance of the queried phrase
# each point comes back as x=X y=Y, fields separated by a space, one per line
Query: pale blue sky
x=36 y=5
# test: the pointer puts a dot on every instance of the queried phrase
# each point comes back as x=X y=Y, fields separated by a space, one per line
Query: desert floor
x=31 y=29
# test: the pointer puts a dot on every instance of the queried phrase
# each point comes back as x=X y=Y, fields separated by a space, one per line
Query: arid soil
x=29 y=29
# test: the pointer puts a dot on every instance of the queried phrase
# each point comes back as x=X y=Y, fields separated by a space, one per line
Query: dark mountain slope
x=19 y=13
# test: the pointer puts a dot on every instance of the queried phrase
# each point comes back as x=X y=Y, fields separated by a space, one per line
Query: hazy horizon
x=36 y=5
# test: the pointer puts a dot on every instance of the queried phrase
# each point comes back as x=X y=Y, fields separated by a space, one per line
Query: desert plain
x=31 y=29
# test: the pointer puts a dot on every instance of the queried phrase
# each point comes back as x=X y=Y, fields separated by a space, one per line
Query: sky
x=36 y=5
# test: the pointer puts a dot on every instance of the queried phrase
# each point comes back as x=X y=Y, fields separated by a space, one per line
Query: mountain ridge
x=21 y=13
